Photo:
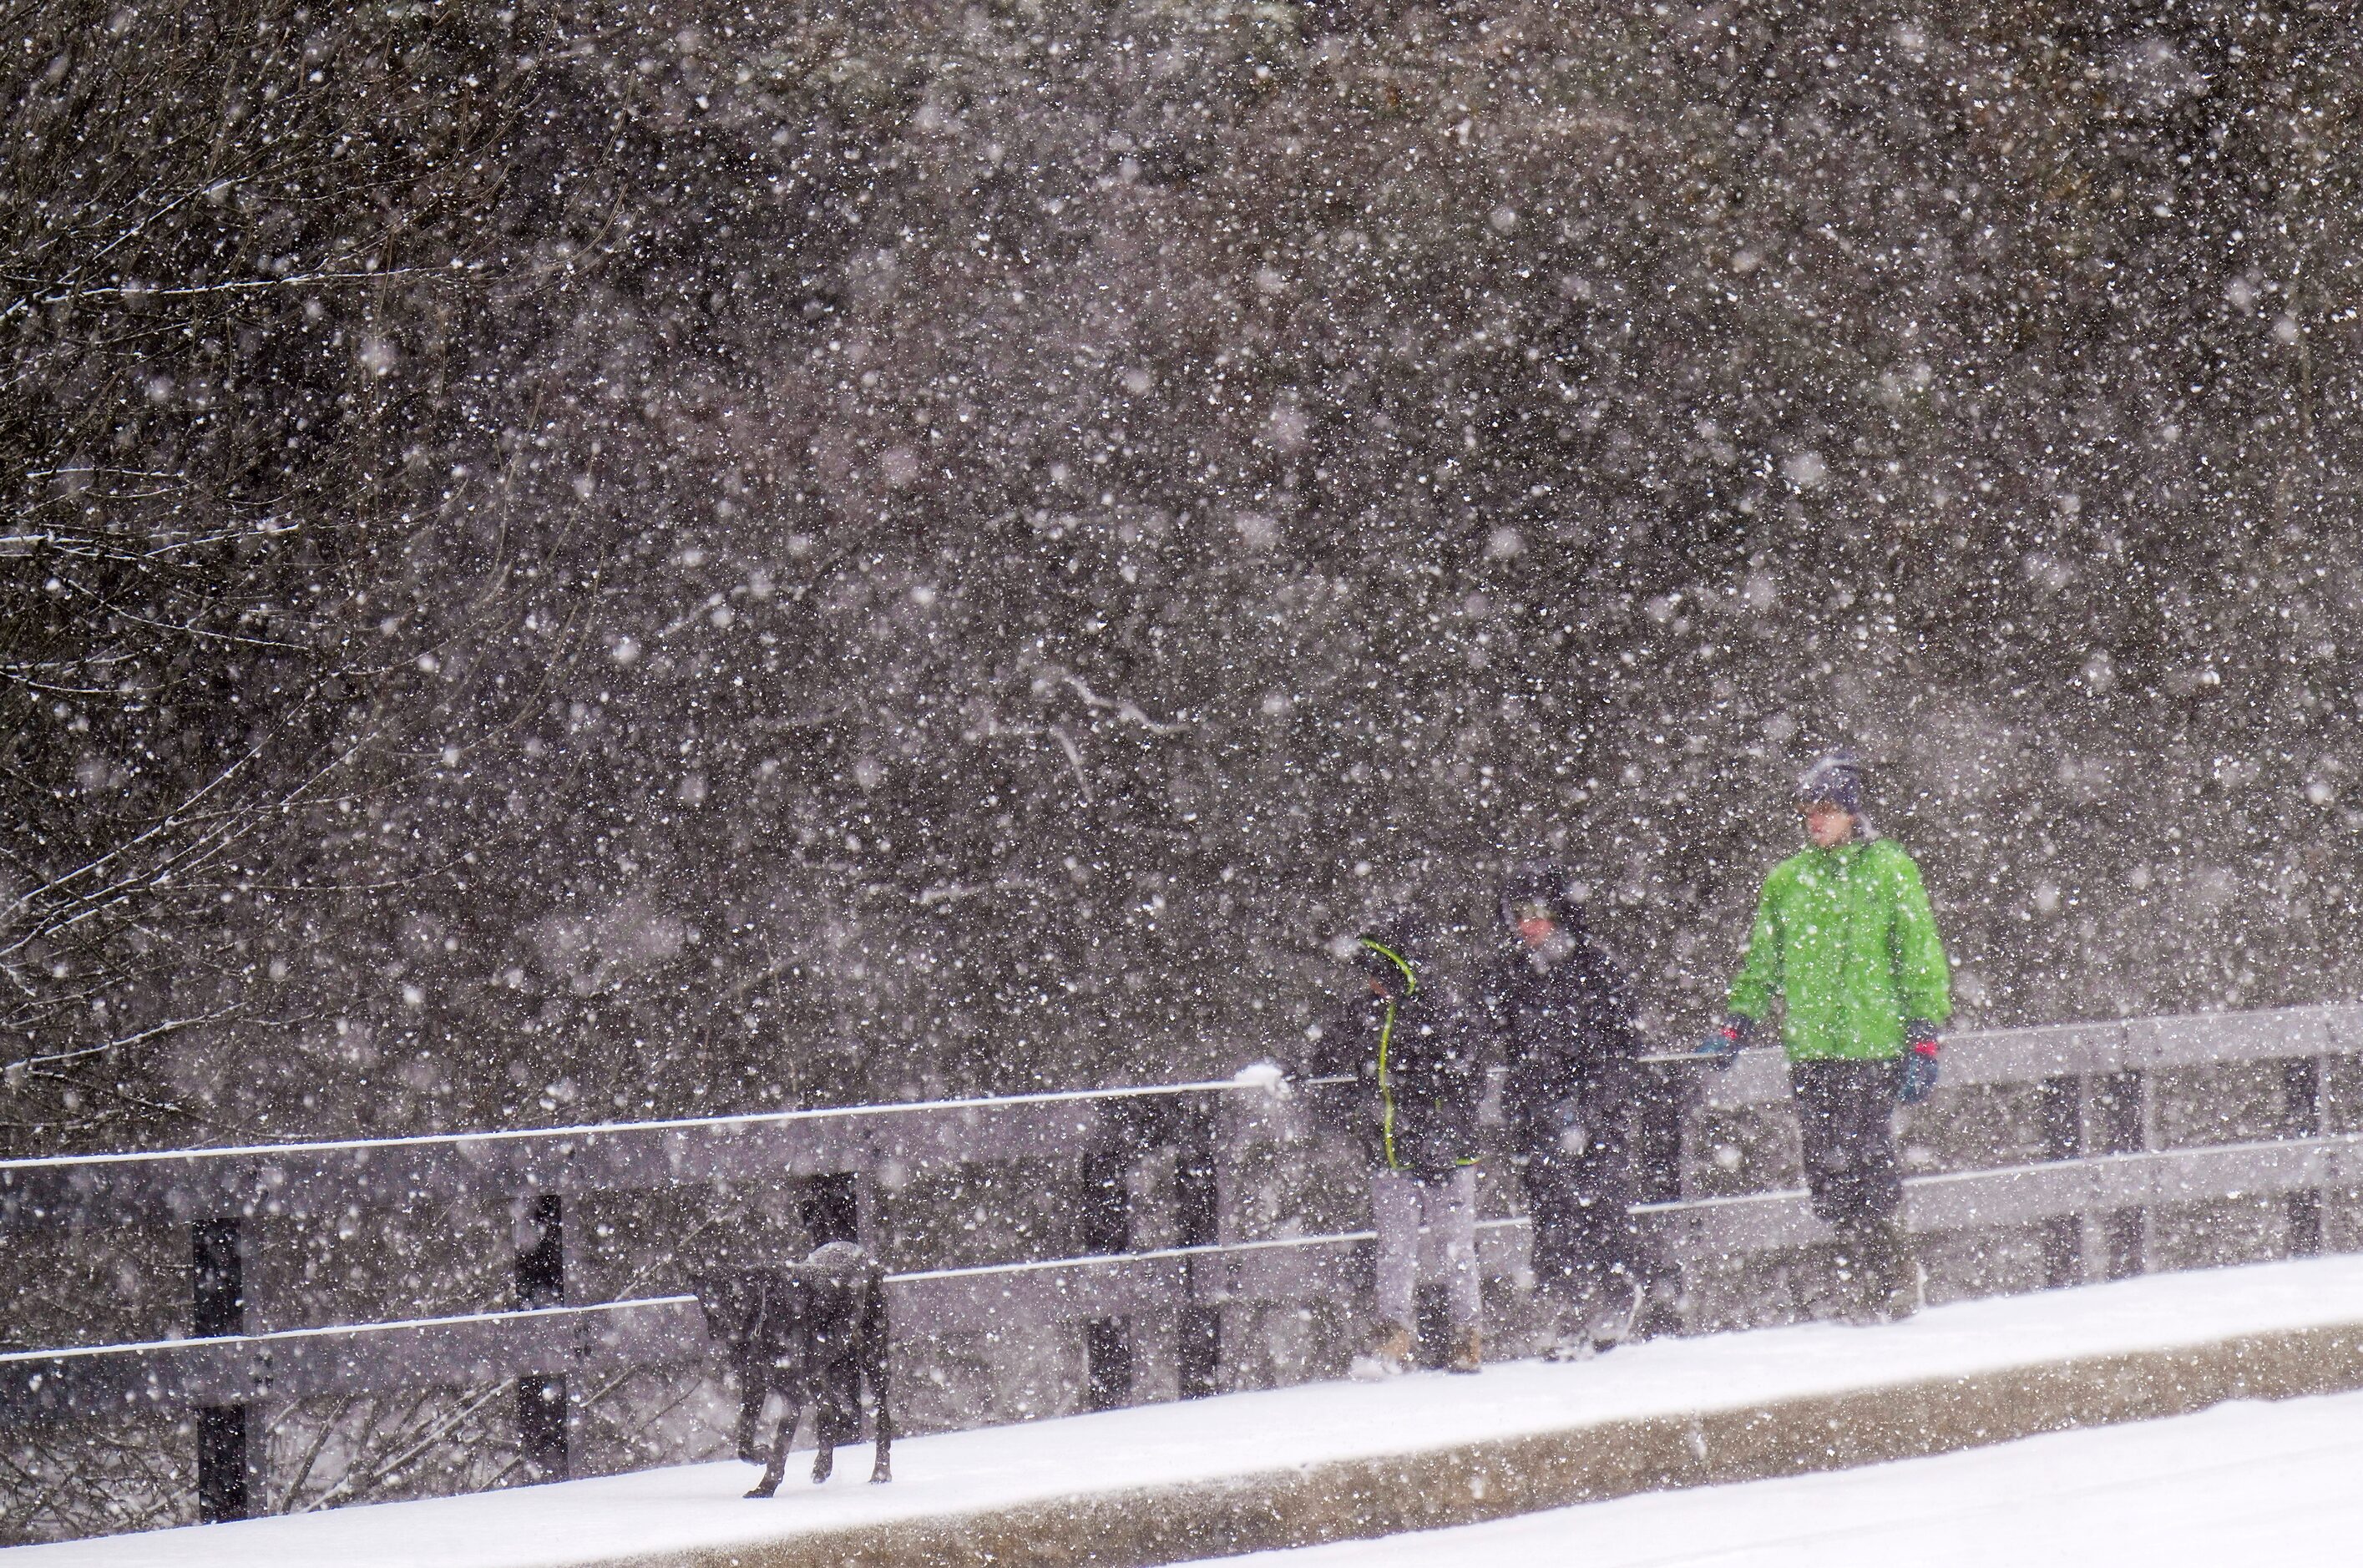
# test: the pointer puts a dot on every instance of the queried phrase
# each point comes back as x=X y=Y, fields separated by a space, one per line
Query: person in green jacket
x=1845 y=939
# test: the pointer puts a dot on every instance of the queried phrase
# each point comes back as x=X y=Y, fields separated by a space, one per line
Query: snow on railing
x=2090 y=1199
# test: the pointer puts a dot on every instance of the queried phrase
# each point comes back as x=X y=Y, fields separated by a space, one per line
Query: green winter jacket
x=1844 y=938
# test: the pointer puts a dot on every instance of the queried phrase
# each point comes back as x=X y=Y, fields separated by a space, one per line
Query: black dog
x=814 y=1332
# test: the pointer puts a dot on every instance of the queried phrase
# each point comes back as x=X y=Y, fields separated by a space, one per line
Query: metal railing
x=2090 y=1195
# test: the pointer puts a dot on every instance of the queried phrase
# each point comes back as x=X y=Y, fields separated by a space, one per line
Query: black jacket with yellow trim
x=1417 y=1077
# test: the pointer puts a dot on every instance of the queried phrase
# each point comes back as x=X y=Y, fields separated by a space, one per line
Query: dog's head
x=837 y=1263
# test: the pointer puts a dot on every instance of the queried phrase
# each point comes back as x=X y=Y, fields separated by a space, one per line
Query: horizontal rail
x=2057 y=1050
x=670 y=1330
x=1705 y=1229
x=663 y=1330
x=296 y=1363
x=304 y=1179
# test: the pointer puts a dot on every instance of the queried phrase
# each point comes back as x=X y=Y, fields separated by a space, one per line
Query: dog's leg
x=875 y=1355
x=778 y=1465
x=837 y=1412
x=758 y=1375
x=752 y=1387
x=883 y=1469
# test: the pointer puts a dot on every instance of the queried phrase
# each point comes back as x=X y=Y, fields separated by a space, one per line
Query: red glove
x=1721 y=1048
x=1919 y=1062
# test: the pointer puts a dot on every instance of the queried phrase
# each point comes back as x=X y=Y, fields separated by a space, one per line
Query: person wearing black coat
x=1560 y=1010
x=1411 y=1048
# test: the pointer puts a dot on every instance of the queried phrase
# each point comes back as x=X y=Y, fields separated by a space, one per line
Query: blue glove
x=1920 y=1069
x=1570 y=1136
x=1721 y=1048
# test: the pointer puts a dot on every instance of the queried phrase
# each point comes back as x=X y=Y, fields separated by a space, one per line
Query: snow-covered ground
x=1273 y=1433
x=2243 y=1483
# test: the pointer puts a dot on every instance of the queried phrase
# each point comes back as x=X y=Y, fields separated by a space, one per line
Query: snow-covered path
x=1099 y=1475
x=2246 y=1482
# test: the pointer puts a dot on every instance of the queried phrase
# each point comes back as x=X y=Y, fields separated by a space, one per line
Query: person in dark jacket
x=1412 y=1049
x=1560 y=1011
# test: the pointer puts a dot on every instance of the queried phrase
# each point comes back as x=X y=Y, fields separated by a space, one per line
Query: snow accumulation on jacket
x=1846 y=938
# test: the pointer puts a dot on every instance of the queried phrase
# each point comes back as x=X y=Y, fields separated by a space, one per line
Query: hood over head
x=1544 y=884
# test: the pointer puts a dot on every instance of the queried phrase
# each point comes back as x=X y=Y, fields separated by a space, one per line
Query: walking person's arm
x=1612 y=1041
x=1924 y=979
x=1450 y=1071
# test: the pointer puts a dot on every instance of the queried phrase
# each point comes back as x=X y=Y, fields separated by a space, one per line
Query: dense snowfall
x=2185 y=1486
x=602 y=560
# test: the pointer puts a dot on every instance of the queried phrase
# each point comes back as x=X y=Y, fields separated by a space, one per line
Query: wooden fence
x=2090 y=1197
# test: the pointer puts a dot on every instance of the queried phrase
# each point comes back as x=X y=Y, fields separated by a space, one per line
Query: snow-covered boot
x=1845 y=1291
x=1569 y=1339
x=1388 y=1354
x=1468 y=1350
x=1609 y=1312
x=1562 y=1333
x=1572 y=1346
x=1896 y=1283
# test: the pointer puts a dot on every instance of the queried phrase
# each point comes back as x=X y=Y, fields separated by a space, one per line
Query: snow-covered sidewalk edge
x=1467 y=1483
x=1315 y=1462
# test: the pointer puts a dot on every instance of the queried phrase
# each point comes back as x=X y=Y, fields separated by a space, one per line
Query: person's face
x=1827 y=826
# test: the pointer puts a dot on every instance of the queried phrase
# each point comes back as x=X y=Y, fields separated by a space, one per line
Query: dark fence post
x=2059 y=1122
x=1197 y=1212
x=1103 y=1224
x=831 y=1208
x=542 y=1412
x=2117 y=1121
x=2302 y=1117
x=1664 y=1110
x=226 y=1445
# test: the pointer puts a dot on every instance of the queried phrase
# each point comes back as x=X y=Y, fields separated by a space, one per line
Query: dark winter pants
x=1654 y=1129
x=1581 y=1211
x=1843 y=1111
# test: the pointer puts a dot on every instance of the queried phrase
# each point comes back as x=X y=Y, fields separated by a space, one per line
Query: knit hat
x=1834 y=780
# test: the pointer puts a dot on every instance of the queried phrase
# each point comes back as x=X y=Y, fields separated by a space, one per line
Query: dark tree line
x=577 y=561
x=586 y=561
